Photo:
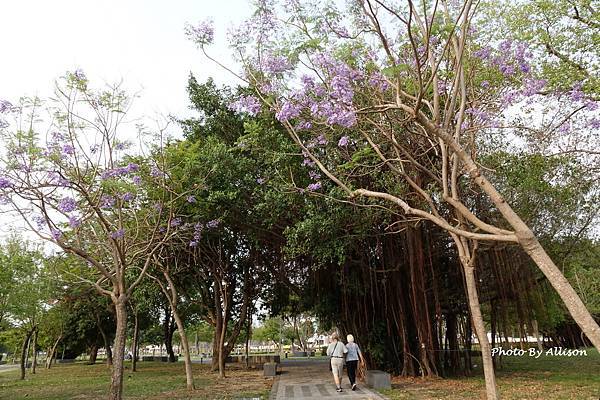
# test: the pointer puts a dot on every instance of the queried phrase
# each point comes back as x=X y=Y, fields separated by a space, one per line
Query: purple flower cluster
x=120 y=171
x=344 y=141
x=191 y=199
x=378 y=81
x=107 y=201
x=127 y=196
x=55 y=233
x=79 y=74
x=197 y=234
x=118 y=234
x=201 y=34
x=67 y=205
x=511 y=57
x=314 y=187
x=5 y=183
x=314 y=175
x=74 y=222
x=155 y=172
x=289 y=110
x=175 y=222
x=5 y=106
x=213 y=224
x=246 y=104
x=273 y=64
x=68 y=150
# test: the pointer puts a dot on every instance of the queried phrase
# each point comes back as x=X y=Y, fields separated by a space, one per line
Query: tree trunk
x=93 y=354
x=168 y=335
x=486 y=352
x=134 y=345
x=109 y=359
x=24 y=353
x=34 y=351
x=116 y=384
x=189 y=377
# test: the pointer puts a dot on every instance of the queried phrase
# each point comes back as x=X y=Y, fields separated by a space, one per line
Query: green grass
x=519 y=378
x=152 y=381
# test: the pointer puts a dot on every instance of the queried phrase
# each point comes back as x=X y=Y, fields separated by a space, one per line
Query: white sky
x=139 y=41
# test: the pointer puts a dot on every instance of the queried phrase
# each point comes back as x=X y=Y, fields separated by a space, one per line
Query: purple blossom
x=591 y=105
x=343 y=142
x=314 y=175
x=127 y=196
x=175 y=222
x=213 y=224
x=322 y=140
x=533 y=86
x=39 y=221
x=273 y=64
x=303 y=125
x=194 y=243
x=246 y=104
x=155 y=172
x=314 y=186
x=594 y=123
x=307 y=162
x=483 y=53
x=288 y=111
x=118 y=234
x=5 y=106
x=201 y=34
x=191 y=199
x=55 y=233
x=137 y=180
x=5 y=183
x=79 y=74
x=67 y=205
x=74 y=222
x=120 y=171
x=107 y=201
x=260 y=181
x=67 y=149
x=576 y=93
x=378 y=81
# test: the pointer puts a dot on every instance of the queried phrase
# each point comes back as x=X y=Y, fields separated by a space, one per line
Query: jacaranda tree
x=70 y=178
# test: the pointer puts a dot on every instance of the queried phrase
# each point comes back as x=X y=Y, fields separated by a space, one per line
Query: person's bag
x=361 y=372
x=330 y=357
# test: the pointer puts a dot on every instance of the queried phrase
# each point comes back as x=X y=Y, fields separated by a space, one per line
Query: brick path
x=311 y=379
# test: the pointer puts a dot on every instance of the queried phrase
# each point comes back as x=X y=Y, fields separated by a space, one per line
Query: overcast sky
x=140 y=41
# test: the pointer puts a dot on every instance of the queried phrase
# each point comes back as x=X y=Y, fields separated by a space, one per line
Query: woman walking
x=352 y=358
x=336 y=351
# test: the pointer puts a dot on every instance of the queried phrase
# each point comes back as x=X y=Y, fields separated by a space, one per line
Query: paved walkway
x=311 y=379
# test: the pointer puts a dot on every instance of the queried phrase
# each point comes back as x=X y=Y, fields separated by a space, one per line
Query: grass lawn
x=153 y=381
x=520 y=378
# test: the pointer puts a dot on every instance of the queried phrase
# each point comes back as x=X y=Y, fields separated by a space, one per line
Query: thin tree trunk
x=189 y=376
x=93 y=354
x=109 y=360
x=116 y=384
x=486 y=351
x=34 y=351
x=134 y=345
x=24 y=352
